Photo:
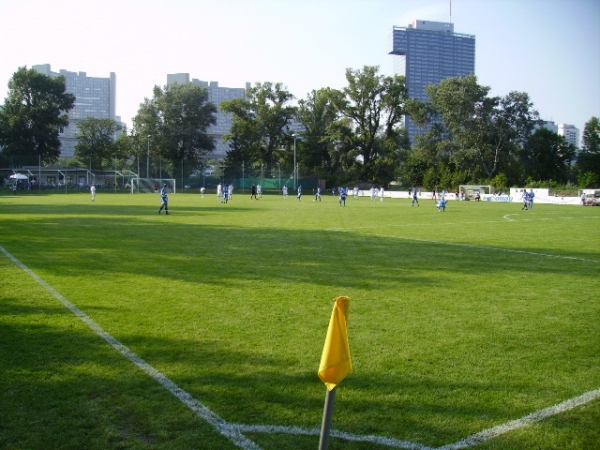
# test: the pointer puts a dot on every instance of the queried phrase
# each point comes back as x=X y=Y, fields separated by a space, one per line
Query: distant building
x=549 y=125
x=428 y=52
x=94 y=97
x=570 y=133
x=216 y=95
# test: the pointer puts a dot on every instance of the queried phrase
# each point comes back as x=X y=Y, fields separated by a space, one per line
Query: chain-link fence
x=267 y=184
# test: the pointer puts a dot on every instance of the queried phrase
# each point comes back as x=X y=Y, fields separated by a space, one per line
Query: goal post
x=471 y=190
x=153 y=184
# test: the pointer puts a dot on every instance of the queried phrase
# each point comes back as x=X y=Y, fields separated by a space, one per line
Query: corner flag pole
x=336 y=362
x=327 y=418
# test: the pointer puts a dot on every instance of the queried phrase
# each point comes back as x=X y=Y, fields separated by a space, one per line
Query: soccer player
x=415 y=196
x=525 y=199
x=343 y=194
x=284 y=191
x=253 y=192
x=530 y=199
x=374 y=192
x=93 y=191
x=299 y=197
x=225 y=193
x=318 y=194
x=164 y=195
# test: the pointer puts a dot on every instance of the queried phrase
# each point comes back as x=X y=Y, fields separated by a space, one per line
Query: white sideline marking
x=491 y=433
x=203 y=411
x=234 y=432
x=389 y=442
x=484 y=247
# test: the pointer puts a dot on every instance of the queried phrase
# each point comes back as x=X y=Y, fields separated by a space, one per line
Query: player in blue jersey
x=415 y=196
x=226 y=193
x=343 y=195
x=164 y=195
x=530 y=199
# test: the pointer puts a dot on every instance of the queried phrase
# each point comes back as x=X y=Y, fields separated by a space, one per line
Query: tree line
x=351 y=135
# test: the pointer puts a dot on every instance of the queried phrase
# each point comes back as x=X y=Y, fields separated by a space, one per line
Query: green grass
x=459 y=321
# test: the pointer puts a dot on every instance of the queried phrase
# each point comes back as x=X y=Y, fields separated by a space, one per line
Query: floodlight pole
x=148 y=158
x=295 y=166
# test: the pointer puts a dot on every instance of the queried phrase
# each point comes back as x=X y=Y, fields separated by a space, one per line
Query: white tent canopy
x=19 y=176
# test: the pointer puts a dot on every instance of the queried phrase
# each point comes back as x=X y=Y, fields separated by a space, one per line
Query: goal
x=153 y=184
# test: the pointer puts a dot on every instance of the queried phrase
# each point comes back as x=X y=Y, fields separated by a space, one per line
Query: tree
x=368 y=134
x=260 y=125
x=482 y=135
x=173 y=124
x=35 y=112
x=588 y=161
x=547 y=156
x=317 y=114
x=96 y=141
x=591 y=136
x=123 y=150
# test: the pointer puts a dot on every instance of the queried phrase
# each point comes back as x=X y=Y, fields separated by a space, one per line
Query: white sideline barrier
x=515 y=196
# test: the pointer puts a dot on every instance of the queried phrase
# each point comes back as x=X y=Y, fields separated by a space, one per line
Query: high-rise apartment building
x=94 y=97
x=428 y=52
x=570 y=133
x=216 y=95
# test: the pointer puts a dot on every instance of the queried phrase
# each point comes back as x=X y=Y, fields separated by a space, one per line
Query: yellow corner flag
x=336 y=363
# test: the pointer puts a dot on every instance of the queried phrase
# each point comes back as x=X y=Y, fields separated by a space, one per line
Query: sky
x=547 y=48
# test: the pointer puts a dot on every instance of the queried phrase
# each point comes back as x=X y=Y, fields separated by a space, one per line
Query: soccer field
x=477 y=327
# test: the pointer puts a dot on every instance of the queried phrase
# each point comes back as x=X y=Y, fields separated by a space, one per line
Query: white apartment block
x=94 y=97
x=570 y=133
x=216 y=95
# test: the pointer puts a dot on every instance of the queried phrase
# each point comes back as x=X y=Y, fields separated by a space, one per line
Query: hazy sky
x=547 y=48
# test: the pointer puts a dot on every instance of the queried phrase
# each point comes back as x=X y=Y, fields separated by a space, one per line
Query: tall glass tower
x=428 y=52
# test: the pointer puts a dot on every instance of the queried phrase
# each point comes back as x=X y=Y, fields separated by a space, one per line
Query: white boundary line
x=491 y=433
x=231 y=433
x=498 y=249
x=299 y=431
x=480 y=247
x=234 y=432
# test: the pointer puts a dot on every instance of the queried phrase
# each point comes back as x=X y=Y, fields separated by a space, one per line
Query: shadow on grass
x=61 y=379
x=238 y=383
x=280 y=255
x=62 y=387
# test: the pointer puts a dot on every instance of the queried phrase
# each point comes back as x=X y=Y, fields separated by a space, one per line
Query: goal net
x=471 y=190
x=152 y=184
